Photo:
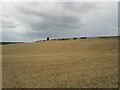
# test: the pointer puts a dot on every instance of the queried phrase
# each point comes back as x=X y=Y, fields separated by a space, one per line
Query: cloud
x=31 y=21
x=50 y=18
x=8 y=24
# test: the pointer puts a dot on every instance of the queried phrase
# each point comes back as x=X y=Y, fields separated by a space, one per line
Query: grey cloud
x=57 y=20
x=8 y=24
x=56 y=23
x=79 y=7
x=51 y=21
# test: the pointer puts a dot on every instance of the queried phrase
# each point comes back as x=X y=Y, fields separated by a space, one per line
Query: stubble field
x=81 y=63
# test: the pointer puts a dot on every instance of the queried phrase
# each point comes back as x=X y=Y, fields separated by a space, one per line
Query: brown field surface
x=81 y=63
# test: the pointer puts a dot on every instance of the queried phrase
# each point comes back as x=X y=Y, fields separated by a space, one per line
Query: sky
x=32 y=21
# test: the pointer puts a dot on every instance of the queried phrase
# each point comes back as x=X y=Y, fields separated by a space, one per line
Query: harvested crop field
x=80 y=63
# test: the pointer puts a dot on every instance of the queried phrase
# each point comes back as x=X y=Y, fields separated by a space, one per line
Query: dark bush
x=48 y=38
x=83 y=37
x=38 y=41
x=102 y=37
x=74 y=38
x=63 y=39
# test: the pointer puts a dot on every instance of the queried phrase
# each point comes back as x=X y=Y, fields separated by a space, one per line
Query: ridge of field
x=80 y=63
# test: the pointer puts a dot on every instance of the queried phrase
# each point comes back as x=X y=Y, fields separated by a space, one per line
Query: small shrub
x=74 y=38
x=83 y=37
x=102 y=37
x=48 y=38
x=63 y=39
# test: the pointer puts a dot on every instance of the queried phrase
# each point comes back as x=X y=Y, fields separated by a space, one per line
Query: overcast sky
x=34 y=21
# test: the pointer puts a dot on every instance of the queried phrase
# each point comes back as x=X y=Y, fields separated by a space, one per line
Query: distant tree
x=47 y=38
x=38 y=41
x=63 y=39
x=83 y=37
x=102 y=37
x=74 y=38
